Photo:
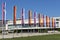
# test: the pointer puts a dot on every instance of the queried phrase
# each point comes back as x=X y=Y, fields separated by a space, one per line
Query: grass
x=44 y=37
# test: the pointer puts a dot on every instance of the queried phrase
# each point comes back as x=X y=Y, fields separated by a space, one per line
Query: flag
x=43 y=21
x=4 y=13
x=23 y=16
x=14 y=16
x=30 y=17
x=53 y=22
x=34 y=19
x=47 y=21
x=39 y=19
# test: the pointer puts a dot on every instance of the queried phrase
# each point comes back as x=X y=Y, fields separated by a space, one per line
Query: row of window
x=57 y=19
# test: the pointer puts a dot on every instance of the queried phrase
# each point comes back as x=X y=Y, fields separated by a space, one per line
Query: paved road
x=25 y=34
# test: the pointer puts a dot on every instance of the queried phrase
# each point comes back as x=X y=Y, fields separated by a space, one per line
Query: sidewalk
x=25 y=35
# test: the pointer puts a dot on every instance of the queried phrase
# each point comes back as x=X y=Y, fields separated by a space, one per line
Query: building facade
x=18 y=25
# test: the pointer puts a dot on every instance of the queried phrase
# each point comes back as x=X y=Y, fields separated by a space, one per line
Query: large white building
x=18 y=26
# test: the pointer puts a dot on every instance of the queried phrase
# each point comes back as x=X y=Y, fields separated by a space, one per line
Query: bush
x=58 y=29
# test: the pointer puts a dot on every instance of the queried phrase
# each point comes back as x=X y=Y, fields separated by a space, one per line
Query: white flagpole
x=2 y=21
x=3 y=18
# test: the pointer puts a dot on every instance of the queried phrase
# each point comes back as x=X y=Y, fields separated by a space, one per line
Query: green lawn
x=45 y=37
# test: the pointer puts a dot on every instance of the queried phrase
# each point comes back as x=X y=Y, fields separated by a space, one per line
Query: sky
x=50 y=8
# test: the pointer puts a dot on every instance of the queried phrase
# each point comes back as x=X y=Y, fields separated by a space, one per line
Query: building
x=27 y=28
x=57 y=22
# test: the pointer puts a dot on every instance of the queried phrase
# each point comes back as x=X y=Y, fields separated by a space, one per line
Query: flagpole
x=3 y=18
x=2 y=21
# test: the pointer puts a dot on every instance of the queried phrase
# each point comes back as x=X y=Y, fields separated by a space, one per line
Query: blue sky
x=46 y=7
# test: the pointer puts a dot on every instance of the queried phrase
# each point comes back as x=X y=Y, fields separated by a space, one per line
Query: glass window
x=57 y=22
x=57 y=19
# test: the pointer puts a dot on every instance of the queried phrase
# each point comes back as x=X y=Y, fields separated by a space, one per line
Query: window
x=57 y=22
x=57 y=19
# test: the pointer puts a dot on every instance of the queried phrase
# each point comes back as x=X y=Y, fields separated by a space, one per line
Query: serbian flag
x=4 y=13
